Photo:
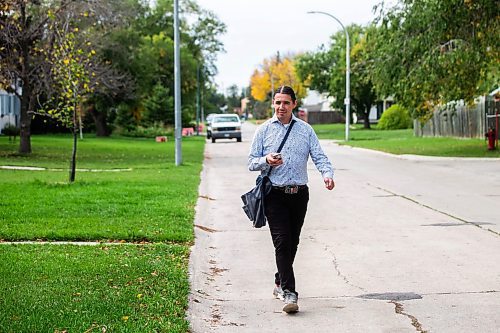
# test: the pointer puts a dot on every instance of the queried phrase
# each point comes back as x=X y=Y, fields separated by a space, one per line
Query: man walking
x=286 y=204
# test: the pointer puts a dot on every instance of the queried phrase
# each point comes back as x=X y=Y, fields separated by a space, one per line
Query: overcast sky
x=257 y=29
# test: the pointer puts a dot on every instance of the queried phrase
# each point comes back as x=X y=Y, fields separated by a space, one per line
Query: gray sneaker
x=290 y=302
x=278 y=293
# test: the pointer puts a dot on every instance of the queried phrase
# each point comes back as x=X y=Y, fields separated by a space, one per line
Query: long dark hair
x=286 y=90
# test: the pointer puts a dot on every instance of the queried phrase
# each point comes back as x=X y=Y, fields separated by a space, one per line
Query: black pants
x=285 y=214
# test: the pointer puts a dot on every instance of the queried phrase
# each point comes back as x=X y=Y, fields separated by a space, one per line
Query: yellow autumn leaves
x=275 y=72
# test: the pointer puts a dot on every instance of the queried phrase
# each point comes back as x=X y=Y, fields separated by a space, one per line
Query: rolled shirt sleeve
x=319 y=158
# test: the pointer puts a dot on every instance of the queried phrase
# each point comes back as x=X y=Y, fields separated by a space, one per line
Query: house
x=10 y=109
x=379 y=108
x=316 y=102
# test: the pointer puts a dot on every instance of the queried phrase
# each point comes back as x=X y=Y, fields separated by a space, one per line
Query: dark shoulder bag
x=253 y=200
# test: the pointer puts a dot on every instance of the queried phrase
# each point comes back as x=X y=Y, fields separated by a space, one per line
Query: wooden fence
x=325 y=117
x=458 y=121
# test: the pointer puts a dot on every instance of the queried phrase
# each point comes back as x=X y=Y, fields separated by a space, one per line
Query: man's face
x=283 y=106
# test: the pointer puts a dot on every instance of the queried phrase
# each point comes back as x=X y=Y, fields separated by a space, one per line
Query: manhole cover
x=392 y=296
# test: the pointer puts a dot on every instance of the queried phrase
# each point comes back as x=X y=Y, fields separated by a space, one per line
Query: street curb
x=71 y=243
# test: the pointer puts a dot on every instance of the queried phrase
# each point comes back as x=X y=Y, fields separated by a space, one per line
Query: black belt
x=290 y=189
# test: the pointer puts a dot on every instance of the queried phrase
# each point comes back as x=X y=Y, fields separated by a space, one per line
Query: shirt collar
x=275 y=119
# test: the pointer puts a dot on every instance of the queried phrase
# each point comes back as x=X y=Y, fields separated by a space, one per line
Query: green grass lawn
x=54 y=151
x=403 y=142
x=57 y=288
x=154 y=201
x=70 y=288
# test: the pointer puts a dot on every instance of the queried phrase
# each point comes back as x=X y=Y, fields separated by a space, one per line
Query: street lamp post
x=347 y=100
x=198 y=102
x=177 y=87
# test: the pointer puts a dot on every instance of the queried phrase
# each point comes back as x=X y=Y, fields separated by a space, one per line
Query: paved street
x=402 y=244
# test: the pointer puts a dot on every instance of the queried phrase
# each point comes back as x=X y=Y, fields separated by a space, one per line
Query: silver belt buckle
x=291 y=189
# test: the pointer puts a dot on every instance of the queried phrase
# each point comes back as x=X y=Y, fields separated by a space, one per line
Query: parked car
x=224 y=126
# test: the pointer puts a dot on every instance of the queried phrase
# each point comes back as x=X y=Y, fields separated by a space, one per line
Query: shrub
x=11 y=131
x=159 y=106
x=395 y=117
x=156 y=129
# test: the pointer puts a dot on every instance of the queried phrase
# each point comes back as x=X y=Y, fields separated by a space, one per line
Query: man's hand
x=329 y=183
x=272 y=160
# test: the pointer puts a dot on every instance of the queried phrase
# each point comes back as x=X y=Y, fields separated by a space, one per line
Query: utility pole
x=272 y=85
x=198 y=99
x=278 y=60
x=177 y=87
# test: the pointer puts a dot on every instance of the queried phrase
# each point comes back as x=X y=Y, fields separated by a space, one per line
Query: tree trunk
x=366 y=118
x=366 y=121
x=101 y=127
x=72 y=168
x=25 y=132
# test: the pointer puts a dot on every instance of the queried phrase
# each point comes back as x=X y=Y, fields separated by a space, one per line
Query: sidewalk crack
x=337 y=269
x=435 y=210
x=414 y=321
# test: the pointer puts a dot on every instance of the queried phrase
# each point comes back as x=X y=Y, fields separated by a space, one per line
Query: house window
x=9 y=105
x=4 y=105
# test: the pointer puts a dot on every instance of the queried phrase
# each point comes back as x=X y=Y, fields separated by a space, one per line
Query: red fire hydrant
x=491 y=137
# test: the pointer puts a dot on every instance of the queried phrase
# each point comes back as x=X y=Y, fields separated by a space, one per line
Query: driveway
x=402 y=244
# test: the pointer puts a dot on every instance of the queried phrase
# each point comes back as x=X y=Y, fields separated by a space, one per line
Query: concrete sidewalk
x=400 y=245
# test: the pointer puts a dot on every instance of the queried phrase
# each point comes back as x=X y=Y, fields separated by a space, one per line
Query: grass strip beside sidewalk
x=97 y=288
x=153 y=202
x=403 y=142
x=70 y=288
x=144 y=204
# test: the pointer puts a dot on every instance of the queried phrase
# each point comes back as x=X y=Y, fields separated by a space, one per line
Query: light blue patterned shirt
x=301 y=142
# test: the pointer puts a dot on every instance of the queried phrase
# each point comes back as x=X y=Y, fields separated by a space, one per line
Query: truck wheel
x=238 y=139
x=213 y=140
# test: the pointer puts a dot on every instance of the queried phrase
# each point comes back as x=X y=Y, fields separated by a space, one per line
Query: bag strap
x=283 y=141
x=286 y=136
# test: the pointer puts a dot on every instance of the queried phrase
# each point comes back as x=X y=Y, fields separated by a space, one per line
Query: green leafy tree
x=159 y=107
x=100 y=23
x=431 y=52
x=127 y=64
x=213 y=100
x=144 y=50
x=325 y=69
x=233 y=98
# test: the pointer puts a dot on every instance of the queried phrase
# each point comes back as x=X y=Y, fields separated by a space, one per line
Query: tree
x=432 y=52
x=213 y=100
x=234 y=98
x=273 y=73
x=159 y=106
x=133 y=44
x=324 y=70
x=74 y=74
x=26 y=41
x=100 y=22
x=144 y=50
x=70 y=70
x=23 y=36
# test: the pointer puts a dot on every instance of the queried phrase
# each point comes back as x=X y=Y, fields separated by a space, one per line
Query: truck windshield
x=228 y=119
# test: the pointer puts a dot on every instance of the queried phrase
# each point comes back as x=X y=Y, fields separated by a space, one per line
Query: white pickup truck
x=224 y=126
